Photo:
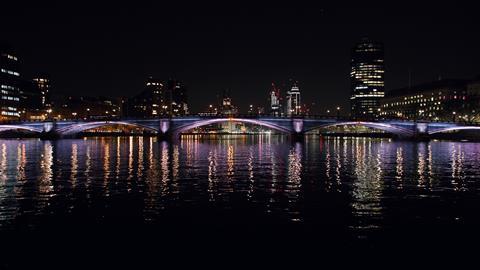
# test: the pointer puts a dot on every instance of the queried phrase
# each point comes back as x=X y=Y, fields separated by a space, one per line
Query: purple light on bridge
x=422 y=127
x=47 y=127
x=20 y=127
x=298 y=125
x=454 y=129
x=164 y=126
x=241 y=120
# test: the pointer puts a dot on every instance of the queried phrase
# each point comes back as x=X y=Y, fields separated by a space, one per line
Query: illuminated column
x=164 y=131
x=297 y=129
x=49 y=131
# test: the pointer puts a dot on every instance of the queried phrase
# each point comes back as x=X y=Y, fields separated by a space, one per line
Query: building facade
x=10 y=84
x=151 y=102
x=294 y=104
x=227 y=107
x=31 y=105
x=275 y=101
x=85 y=108
x=178 y=98
x=367 y=79
x=43 y=84
x=443 y=100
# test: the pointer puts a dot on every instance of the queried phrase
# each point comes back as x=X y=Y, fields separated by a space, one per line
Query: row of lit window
x=422 y=101
x=370 y=82
x=10 y=98
x=8 y=87
x=377 y=94
x=10 y=72
x=368 y=65
x=9 y=108
x=9 y=56
x=367 y=68
x=10 y=113
x=363 y=72
x=421 y=95
x=154 y=84
x=367 y=76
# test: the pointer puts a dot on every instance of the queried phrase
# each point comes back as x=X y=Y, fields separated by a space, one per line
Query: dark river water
x=130 y=193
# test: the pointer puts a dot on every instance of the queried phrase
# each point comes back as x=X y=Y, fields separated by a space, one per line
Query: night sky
x=109 y=49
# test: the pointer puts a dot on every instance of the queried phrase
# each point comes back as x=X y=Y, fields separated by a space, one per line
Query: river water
x=354 y=193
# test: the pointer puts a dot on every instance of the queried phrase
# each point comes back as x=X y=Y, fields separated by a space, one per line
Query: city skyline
x=146 y=132
x=210 y=58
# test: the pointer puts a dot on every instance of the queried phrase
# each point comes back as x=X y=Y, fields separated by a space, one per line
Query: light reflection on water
x=292 y=181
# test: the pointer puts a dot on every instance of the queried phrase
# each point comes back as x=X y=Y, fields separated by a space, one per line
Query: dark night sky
x=109 y=49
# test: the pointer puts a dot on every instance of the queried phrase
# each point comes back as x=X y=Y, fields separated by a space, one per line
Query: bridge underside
x=389 y=128
x=176 y=130
x=4 y=128
x=78 y=128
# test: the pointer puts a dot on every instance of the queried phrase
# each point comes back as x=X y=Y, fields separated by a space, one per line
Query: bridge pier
x=50 y=135
x=297 y=136
x=49 y=131
x=166 y=136
x=420 y=132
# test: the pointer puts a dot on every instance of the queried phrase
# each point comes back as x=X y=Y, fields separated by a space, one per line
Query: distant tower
x=275 y=100
x=10 y=84
x=367 y=78
x=153 y=97
x=294 y=105
x=178 y=96
x=226 y=99
x=227 y=105
x=43 y=84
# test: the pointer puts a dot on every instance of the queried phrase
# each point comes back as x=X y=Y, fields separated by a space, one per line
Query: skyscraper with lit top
x=294 y=105
x=367 y=79
x=275 y=107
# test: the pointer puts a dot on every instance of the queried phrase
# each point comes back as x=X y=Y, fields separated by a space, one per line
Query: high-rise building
x=156 y=97
x=275 y=107
x=151 y=102
x=178 y=98
x=43 y=84
x=31 y=101
x=9 y=84
x=294 y=105
x=227 y=107
x=367 y=79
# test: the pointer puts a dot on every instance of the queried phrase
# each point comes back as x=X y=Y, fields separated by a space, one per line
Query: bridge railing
x=252 y=116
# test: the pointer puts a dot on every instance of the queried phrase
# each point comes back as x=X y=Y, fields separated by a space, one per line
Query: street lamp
x=453 y=116
x=338 y=112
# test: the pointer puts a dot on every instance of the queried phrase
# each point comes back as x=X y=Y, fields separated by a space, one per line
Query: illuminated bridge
x=296 y=126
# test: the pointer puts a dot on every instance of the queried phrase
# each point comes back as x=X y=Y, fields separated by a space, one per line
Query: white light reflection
x=46 y=172
x=74 y=164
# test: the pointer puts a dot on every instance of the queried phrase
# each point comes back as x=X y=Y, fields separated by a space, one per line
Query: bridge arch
x=80 y=127
x=456 y=128
x=375 y=125
x=19 y=127
x=178 y=130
